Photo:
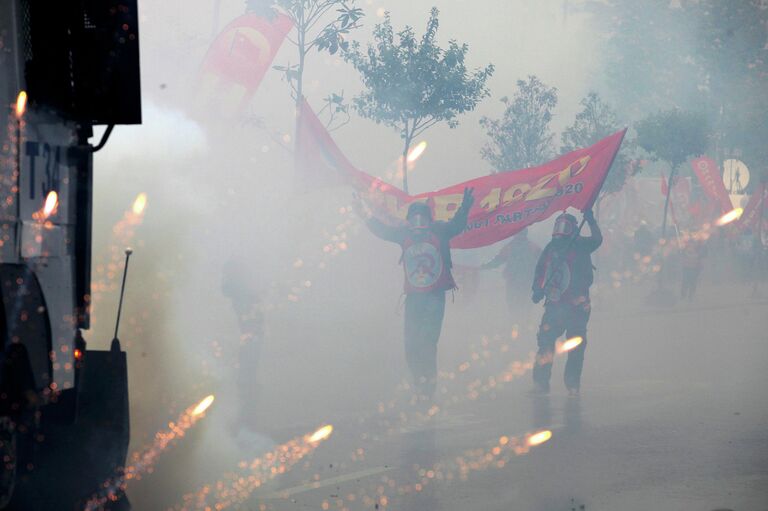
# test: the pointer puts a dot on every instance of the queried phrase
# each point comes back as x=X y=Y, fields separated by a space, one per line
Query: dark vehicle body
x=64 y=423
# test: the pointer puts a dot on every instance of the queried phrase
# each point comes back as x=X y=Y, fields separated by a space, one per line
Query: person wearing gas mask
x=426 y=261
x=563 y=276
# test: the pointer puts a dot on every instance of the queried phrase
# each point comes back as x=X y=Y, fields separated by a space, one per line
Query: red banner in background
x=754 y=210
x=505 y=203
x=239 y=58
x=709 y=176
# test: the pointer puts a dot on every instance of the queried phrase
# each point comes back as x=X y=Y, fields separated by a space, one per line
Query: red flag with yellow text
x=505 y=203
x=238 y=59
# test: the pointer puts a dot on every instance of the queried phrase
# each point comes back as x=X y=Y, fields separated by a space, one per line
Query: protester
x=564 y=274
x=426 y=260
x=246 y=304
x=519 y=258
x=693 y=251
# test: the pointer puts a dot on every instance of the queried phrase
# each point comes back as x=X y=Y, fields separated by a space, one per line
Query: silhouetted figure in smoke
x=692 y=254
x=563 y=276
x=519 y=257
x=247 y=306
x=426 y=260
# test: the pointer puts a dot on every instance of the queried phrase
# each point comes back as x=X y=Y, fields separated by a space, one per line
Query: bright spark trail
x=236 y=488
x=144 y=461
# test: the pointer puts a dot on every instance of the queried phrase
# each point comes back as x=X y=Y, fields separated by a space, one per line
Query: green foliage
x=308 y=16
x=411 y=83
x=314 y=29
x=673 y=135
x=709 y=55
x=596 y=121
x=522 y=137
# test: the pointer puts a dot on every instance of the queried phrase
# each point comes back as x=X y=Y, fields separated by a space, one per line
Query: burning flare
x=140 y=203
x=21 y=104
x=202 y=406
x=417 y=151
x=539 y=438
x=236 y=487
x=569 y=344
x=321 y=434
x=51 y=201
x=729 y=217
x=144 y=461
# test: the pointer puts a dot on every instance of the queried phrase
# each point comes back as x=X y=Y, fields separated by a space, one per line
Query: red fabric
x=242 y=53
x=754 y=209
x=505 y=203
x=424 y=267
x=709 y=176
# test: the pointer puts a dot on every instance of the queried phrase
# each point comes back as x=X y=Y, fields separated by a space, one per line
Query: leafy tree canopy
x=411 y=83
x=522 y=137
x=673 y=135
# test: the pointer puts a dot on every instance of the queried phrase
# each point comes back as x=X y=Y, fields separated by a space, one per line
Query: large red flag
x=505 y=202
x=709 y=176
x=239 y=58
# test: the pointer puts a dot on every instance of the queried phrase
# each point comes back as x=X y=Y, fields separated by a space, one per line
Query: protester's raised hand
x=468 y=198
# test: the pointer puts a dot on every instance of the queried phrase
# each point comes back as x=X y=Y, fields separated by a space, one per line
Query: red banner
x=239 y=58
x=505 y=203
x=709 y=176
x=755 y=209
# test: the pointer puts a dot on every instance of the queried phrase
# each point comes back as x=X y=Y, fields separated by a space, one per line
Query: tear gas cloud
x=224 y=225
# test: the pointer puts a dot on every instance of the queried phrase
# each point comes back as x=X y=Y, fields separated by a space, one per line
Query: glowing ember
x=569 y=344
x=21 y=104
x=203 y=405
x=417 y=151
x=144 y=461
x=539 y=438
x=321 y=434
x=140 y=203
x=236 y=487
x=729 y=217
x=51 y=201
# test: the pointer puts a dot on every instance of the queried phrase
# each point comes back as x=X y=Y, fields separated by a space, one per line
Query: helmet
x=419 y=215
x=565 y=226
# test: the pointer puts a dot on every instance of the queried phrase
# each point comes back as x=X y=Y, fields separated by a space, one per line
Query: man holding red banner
x=563 y=276
x=426 y=261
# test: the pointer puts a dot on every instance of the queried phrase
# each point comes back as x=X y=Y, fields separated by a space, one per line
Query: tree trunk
x=405 y=163
x=666 y=201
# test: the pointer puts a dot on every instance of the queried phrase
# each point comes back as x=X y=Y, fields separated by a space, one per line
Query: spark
x=415 y=153
x=21 y=104
x=539 y=438
x=51 y=201
x=203 y=405
x=569 y=344
x=321 y=434
x=729 y=217
x=140 y=203
x=236 y=488
x=144 y=461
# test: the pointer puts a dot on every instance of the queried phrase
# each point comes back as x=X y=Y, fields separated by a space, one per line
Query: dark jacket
x=577 y=252
x=443 y=230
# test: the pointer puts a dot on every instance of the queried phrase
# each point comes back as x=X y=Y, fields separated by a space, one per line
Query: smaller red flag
x=240 y=56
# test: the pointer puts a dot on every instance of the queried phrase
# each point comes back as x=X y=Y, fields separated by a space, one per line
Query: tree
x=412 y=84
x=596 y=121
x=313 y=30
x=672 y=136
x=522 y=137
